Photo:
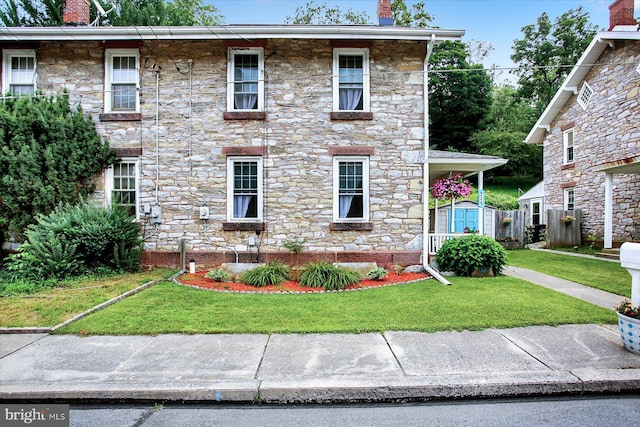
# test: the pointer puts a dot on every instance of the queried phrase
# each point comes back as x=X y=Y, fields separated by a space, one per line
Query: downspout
x=425 y=186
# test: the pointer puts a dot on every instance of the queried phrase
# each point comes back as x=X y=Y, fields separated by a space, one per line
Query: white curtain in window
x=350 y=98
x=246 y=101
x=241 y=206
x=345 y=205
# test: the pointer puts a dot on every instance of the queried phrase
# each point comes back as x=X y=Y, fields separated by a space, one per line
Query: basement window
x=585 y=95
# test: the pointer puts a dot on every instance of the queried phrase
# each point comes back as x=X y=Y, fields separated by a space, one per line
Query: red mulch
x=198 y=280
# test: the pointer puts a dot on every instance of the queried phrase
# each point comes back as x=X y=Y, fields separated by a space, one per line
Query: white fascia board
x=227 y=32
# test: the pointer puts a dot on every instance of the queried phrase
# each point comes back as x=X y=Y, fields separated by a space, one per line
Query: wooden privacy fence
x=510 y=228
x=561 y=230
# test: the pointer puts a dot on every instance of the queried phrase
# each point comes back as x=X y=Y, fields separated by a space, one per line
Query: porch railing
x=435 y=241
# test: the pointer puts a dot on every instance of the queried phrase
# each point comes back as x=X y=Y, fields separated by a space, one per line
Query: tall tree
x=548 y=51
x=48 y=155
x=48 y=13
x=314 y=14
x=414 y=16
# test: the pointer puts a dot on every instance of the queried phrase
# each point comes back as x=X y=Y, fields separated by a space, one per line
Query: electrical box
x=156 y=214
x=204 y=212
x=251 y=241
x=146 y=209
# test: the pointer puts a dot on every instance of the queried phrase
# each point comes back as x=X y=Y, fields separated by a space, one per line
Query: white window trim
x=585 y=95
x=638 y=69
x=230 y=76
x=230 y=184
x=565 y=146
x=566 y=198
x=108 y=183
x=365 y=187
x=6 y=66
x=540 y=213
x=108 y=67
x=364 y=52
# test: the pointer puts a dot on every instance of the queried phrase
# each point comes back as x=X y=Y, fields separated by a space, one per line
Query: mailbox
x=630 y=255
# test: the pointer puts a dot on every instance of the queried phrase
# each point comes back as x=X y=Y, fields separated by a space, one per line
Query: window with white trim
x=122 y=81
x=245 y=80
x=569 y=199
x=350 y=188
x=585 y=95
x=121 y=185
x=568 y=145
x=19 y=72
x=351 y=80
x=244 y=188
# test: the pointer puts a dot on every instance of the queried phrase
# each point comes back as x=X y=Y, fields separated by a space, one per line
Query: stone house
x=234 y=140
x=591 y=134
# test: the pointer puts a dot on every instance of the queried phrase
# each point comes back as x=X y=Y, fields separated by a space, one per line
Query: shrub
x=294 y=245
x=378 y=273
x=327 y=276
x=272 y=273
x=218 y=275
x=466 y=254
x=79 y=239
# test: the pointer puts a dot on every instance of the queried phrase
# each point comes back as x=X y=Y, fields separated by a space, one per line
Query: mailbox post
x=630 y=259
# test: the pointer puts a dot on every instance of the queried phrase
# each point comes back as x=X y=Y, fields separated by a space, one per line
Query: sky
x=498 y=22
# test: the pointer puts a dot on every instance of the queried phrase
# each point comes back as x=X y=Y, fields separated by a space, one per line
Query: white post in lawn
x=630 y=259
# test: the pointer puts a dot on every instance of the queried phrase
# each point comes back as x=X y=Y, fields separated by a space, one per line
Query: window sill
x=351 y=226
x=351 y=115
x=568 y=166
x=244 y=115
x=243 y=226
x=120 y=117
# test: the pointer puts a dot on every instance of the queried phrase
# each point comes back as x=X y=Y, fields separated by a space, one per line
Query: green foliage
x=547 y=52
x=48 y=155
x=415 y=16
x=378 y=273
x=464 y=255
x=327 y=276
x=314 y=14
x=294 y=245
x=219 y=274
x=77 y=239
x=272 y=273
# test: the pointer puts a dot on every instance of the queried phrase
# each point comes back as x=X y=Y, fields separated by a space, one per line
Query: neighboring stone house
x=233 y=140
x=591 y=134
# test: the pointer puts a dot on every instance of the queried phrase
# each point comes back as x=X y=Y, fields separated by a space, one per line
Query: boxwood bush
x=466 y=254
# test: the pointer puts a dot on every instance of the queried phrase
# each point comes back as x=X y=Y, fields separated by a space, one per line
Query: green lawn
x=473 y=304
x=605 y=275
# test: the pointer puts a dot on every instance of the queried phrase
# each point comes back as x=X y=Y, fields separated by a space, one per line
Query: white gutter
x=227 y=32
x=425 y=186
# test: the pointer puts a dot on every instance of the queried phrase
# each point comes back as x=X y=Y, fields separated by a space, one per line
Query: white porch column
x=453 y=216
x=608 y=210
x=480 y=208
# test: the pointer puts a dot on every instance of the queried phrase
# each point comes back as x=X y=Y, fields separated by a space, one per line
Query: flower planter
x=629 y=332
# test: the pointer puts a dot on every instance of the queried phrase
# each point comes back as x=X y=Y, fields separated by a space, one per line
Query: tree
x=48 y=155
x=547 y=53
x=313 y=14
x=410 y=17
x=40 y=13
x=459 y=96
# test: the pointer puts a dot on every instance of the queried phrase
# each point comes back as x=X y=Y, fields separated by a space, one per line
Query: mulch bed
x=198 y=280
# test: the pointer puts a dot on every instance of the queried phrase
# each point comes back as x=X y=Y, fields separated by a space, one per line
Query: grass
x=473 y=304
x=53 y=306
x=586 y=250
x=605 y=275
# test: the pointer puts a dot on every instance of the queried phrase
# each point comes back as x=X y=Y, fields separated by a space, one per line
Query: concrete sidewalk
x=540 y=360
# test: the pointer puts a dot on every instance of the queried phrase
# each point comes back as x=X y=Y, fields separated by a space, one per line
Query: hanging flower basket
x=507 y=221
x=452 y=187
x=567 y=219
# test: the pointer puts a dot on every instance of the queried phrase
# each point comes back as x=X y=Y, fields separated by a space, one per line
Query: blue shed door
x=463 y=218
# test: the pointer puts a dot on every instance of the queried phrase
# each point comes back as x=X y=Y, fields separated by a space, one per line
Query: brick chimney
x=76 y=12
x=621 y=16
x=385 y=16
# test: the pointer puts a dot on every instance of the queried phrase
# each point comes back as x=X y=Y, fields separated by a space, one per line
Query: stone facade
x=184 y=141
x=608 y=129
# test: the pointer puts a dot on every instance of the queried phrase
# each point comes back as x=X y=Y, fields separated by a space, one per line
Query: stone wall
x=185 y=122
x=607 y=130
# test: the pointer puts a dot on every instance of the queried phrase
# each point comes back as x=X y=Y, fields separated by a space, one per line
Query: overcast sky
x=496 y=21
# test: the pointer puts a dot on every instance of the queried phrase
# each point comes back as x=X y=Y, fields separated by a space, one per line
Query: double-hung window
x=351 y=80
x=19 y=72
x=122 y=185
x=245 y=80
x=569 y=199
x=568 y=137
x=122 y=81
x=350 y=189
x=244 y=188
